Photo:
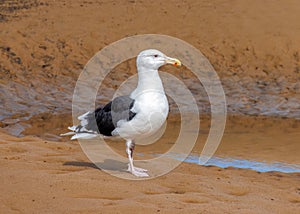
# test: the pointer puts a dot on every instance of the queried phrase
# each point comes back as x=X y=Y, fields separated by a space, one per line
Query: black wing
x=104 y=120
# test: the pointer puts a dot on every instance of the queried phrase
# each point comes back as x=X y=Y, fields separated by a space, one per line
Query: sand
x=39 y=176
x=253 y=46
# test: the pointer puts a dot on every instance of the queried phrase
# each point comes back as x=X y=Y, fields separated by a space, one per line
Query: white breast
x=151 y=110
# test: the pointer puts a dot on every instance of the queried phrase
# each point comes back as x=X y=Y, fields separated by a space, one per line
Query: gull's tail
x=84 y=130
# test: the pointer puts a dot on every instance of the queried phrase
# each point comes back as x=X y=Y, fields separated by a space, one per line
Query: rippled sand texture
x=252 y=44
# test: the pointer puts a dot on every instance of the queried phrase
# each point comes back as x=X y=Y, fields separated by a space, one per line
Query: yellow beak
x=173 y=61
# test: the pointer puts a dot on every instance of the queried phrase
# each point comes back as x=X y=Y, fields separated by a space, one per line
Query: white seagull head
x=153 y=59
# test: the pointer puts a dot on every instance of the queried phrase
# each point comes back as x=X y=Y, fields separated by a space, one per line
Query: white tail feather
x=81 y=117
x=81 y=131
x=83 y=120
x=72 y=128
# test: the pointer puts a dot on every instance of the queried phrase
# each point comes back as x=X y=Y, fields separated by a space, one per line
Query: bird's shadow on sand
x=107 y=164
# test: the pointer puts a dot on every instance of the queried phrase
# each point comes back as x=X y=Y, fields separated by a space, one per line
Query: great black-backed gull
x=140 y=114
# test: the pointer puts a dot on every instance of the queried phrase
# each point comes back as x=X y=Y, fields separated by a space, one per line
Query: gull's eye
x=155 y=55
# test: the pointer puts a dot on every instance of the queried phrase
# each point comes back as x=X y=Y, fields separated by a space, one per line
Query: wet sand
x=254 y=47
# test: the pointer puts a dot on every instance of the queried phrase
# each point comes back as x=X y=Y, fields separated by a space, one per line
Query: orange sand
x=43 y=48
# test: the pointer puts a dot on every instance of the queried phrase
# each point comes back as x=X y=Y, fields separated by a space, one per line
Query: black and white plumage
x=104 y=119
x=138 y=115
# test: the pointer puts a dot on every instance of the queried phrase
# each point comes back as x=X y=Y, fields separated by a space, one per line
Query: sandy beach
x=254 y=48
x=40 y=176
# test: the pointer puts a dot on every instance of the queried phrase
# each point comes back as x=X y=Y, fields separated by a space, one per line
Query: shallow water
x=247 y=164
x=226 y=162
x=260 y=144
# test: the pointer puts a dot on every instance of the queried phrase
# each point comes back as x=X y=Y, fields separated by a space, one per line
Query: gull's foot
x=139 y=172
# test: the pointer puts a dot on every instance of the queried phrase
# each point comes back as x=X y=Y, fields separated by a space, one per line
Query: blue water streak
x=236 y=163
x=246 y=164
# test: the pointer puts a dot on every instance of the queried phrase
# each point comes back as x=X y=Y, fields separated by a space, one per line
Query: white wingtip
x=68 y=133
x=83 y=136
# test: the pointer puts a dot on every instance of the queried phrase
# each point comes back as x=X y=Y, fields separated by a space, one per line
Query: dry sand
x=254 y=47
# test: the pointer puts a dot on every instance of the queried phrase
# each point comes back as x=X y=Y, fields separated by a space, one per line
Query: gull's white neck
x=148 y=80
